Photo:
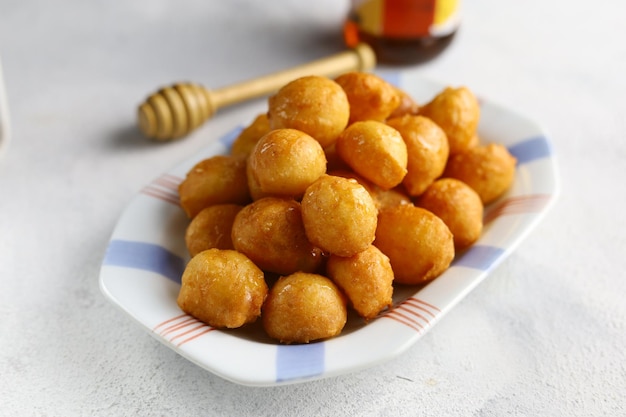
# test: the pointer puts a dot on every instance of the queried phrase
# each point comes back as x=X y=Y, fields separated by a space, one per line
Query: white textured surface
x=544 y=335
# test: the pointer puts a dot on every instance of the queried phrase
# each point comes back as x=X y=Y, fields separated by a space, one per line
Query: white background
x=544 y=335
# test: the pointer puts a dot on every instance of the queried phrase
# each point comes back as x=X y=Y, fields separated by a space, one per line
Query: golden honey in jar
x=403 y=31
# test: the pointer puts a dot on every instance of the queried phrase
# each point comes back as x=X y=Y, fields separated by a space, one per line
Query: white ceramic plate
x=146 y=256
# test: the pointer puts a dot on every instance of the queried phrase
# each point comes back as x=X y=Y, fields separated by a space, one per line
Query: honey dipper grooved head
x=173 y=112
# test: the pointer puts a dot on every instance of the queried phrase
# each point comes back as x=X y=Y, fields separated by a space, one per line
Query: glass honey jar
x=403 y=31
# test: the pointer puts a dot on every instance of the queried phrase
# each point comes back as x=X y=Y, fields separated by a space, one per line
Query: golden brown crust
x=488 y=169
x=457 y=112
x=375 y=151
x=222 y=288
x=370 y=97
x=428 y=151
x=220 y=179
x=284 y=163
x=366 y=278
x=418 y=243
x=211 y=228
x=302 y=308
x=459 y=206
x=270 y=232
x=315 y=105
x=339 y=215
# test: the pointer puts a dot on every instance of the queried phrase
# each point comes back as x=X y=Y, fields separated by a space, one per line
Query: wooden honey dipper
x=173 y=112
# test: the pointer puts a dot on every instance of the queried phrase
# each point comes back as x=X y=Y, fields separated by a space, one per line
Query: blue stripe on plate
x=145 y=256
x=228 y=138
x=531 y=149
x=299 y=361
x=480 y=257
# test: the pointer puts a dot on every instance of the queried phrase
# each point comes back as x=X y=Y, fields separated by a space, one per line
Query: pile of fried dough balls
x=343 y=189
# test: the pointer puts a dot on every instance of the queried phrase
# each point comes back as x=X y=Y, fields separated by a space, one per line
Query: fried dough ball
x=407 y=105
x=339 y=215
x=366 y=278
x=418 y=243
x=211 y=228
x=488 y=169
x=375 y=151
x=285 y=162
x=427 y=148
x=270 y=232
x=220 y=179
x=303 y=307
x=457 y=112
x=370 y=97
x=247 y=139
x=315 y=105
x=222 y=288
x=459 y=206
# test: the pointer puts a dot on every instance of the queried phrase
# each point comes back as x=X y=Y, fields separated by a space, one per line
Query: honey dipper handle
x=361 y=58
x=173 y=112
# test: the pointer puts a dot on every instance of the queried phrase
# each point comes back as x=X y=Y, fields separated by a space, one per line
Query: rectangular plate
x=146 y=256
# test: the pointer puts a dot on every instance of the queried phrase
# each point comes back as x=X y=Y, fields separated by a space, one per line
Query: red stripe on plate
x=189 y=339
x=414 y=313
x=409 y=313
x=193 y=329
x=155 y=328
x=164 y=188
x=411 y=300
x=169 y=182
x=178 y=326
x=161 y=195
x=181 y=326
x=517 y=205
x=401 y=320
